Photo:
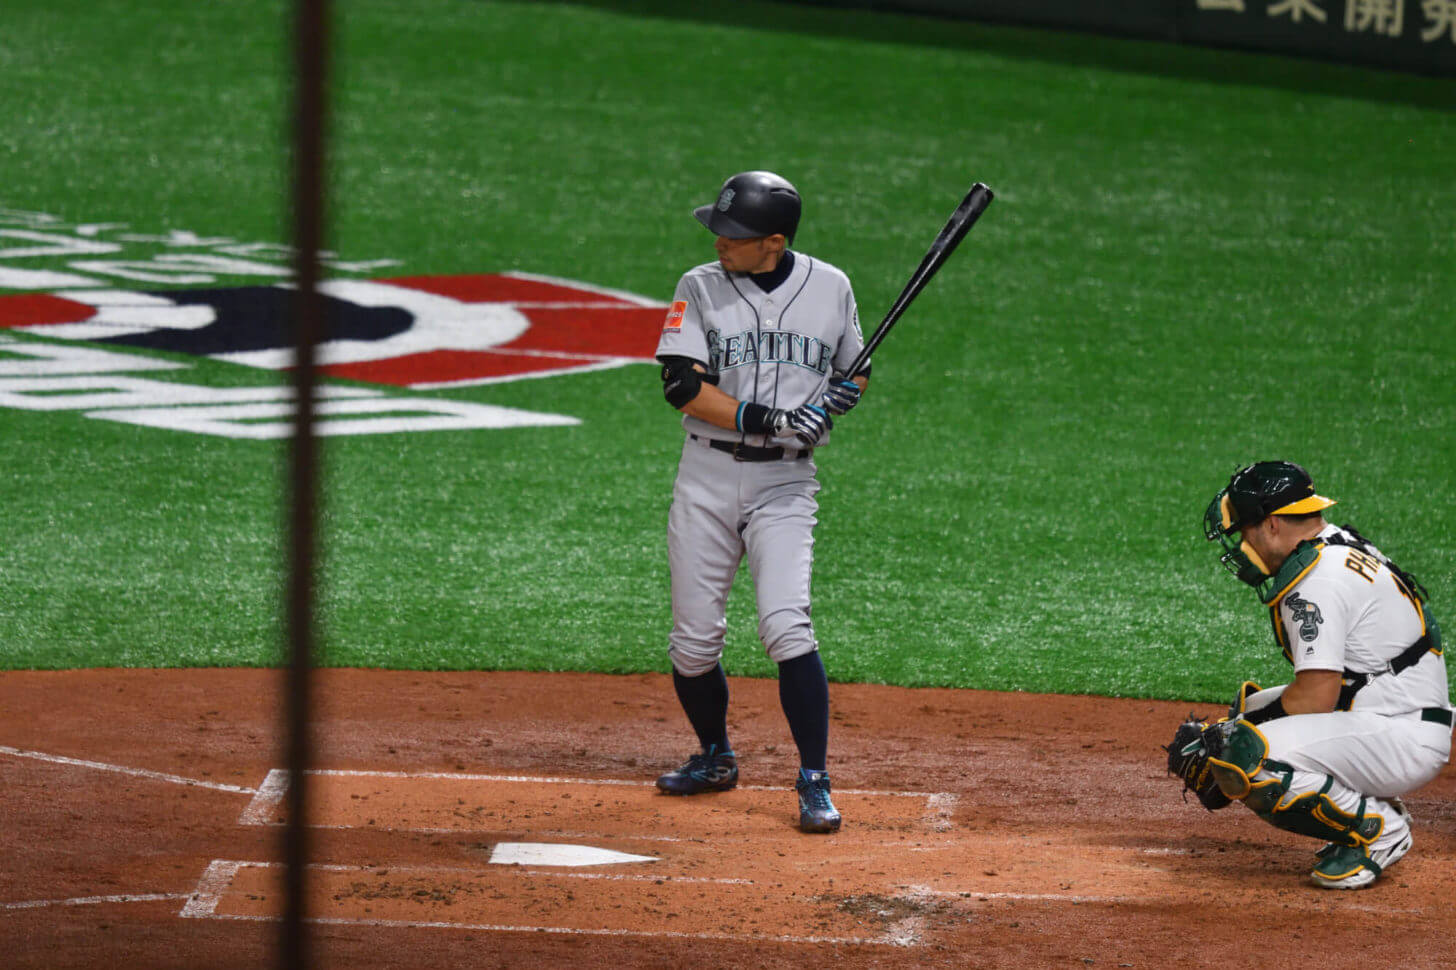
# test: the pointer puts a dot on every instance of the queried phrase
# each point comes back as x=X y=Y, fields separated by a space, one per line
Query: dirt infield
x=508 y=820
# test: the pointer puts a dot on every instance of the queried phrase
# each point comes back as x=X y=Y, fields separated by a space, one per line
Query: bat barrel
x=950 y=236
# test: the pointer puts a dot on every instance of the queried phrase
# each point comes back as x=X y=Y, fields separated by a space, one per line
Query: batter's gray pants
x=724 y=510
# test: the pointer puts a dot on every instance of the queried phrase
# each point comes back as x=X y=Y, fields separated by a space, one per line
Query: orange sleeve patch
x=675 y=315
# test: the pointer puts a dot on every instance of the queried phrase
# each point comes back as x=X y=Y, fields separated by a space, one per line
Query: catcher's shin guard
x=1314 y=813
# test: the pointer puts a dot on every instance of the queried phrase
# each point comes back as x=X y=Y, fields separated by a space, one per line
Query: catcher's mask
x=1254 y=493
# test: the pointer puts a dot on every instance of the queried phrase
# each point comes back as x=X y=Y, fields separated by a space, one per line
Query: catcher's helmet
x=1254 y=493
x=753 y=204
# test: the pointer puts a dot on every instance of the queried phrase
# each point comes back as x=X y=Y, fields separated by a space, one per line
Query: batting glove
x=840 y=396
x=809 y=423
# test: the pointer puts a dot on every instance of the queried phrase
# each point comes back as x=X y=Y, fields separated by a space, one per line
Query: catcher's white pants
x=1377 y=756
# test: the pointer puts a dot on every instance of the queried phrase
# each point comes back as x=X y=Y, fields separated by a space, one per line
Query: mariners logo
x=1306 y=614
x=421 y=333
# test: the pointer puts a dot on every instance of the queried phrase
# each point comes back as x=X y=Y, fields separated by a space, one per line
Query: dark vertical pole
x=311 y=60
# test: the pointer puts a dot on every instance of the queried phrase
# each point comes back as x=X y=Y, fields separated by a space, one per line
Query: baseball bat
x=960 y=222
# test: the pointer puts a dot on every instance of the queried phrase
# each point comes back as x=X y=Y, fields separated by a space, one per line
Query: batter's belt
x=742 y=452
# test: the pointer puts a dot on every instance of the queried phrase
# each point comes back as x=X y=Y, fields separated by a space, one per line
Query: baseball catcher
x=1367 y=717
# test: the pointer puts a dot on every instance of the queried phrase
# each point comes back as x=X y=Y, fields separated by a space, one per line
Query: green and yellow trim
x=1314 y=503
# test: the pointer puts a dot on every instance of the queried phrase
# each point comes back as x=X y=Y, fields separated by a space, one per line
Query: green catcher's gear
x=1188 y=759
x=1241 y=703
x=1356 y=866
x=1238 y=752
x=1254 y=493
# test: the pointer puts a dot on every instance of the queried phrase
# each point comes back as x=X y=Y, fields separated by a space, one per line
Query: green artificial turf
x=1195 y=259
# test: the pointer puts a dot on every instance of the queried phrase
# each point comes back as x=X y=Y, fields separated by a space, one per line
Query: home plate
x=559 y=854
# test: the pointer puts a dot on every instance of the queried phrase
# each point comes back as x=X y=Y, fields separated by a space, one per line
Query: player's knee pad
x=1237 y=752
x=693 y=661
x=787 y=634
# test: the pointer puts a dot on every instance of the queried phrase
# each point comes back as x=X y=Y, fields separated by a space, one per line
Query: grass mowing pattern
x=1196 y=259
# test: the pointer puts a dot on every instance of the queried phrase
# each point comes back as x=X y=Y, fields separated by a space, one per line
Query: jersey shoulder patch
x=675 y=316
x=1306 y=615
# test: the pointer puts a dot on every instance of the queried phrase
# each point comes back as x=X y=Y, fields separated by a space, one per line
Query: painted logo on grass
x=422 y=333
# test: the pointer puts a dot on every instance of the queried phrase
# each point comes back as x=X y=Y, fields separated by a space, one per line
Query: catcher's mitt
x=1188 y=759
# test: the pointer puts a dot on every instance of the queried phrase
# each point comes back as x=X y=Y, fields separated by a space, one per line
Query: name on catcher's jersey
x=1350 y=612
x=775 y=348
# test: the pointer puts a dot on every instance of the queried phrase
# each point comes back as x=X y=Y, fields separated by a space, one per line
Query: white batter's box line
x=975 y=894
x=940 y=811
x=756 y=840
x=557 y=780
x=123 y=770
x=218 y=877
x=1313 y=901
x=269 y=795
x=95 y=900
x=267 y=798
x=223 y=871
x=573 y=931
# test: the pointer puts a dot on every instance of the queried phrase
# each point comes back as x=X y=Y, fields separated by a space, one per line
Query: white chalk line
x=1318 y=899
x=215 y=880
x=228 y=869
x=123 y=770
x=578 y=931
x=940 y=806
x=553 y=780
x=940 y=811
x=266 y=799
x=218 y=877
x=95 y=900
x=790 y=835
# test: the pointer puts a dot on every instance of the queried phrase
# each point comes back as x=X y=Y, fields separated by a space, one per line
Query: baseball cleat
x=1353 y=867
x=816 y=812
x=710 y=770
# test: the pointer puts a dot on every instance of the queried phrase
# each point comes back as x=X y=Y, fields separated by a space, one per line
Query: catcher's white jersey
x=1350 y=612
x=776 y=348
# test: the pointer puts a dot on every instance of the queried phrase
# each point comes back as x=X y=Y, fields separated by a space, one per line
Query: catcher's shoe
x=816 y=812
x=711 y=770
x=1353 y=867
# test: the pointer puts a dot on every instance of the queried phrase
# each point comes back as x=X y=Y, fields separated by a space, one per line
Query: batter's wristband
x=753 y=418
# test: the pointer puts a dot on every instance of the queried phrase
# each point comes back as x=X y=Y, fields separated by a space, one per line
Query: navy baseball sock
x=704 y=700
x=804 y=694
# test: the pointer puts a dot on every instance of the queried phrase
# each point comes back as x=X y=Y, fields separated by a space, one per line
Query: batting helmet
x=753 y=204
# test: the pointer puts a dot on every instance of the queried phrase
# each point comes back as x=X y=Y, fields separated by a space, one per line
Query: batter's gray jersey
x=777 y=348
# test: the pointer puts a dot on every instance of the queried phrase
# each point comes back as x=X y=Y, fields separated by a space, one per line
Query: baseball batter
x=1367 y=717
x=753 y=353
